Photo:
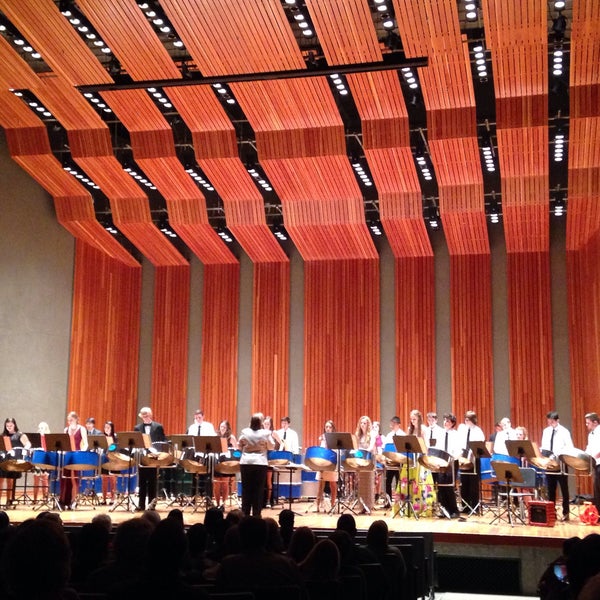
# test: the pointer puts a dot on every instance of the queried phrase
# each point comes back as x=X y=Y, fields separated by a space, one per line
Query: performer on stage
x=254 y=442
x=269 y=500
x=148 y=476
x=69 y=485
x=366 y=479
x=90 y=425
x=392 y=474
x=416 y=480
x=222 y=483
x=40 y=477
x=8 y=478
x=556 y=439
x=507 y=433
x=288 y=437
x=200 y=426
x=448 y=442
x=109 y=480
x=469 y=431
x=593 y=449
x=326 y=477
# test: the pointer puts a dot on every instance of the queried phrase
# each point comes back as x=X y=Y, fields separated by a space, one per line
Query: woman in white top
x=254 y=442
x=366 y=478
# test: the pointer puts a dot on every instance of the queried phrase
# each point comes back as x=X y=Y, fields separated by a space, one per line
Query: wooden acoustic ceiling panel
x=227 y=37
x=217 y=154
x=15 y=73
x=129 y=35
x=50 y=34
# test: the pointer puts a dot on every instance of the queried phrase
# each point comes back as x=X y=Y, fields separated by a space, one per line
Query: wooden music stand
x=521 y=449
x=340 y=441
x=58 y=442
x=35 y=439
x=181 y=442
x=411 y=445
x=97 y=442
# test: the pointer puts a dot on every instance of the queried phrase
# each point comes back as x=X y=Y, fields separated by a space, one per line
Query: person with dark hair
x=468 y=432
x=148 y=476
x=254 y=442
x=389 y=556
x=322 y=564
x=593 y=449
x=556 y=440
x=326 y=477
x=69 y=485
x=362 y=554
x=286 y=525
x=392 y=471
x=90 y=425
x=446 y=478
x=45 y=545
x=255 y=564
x=288 y=437
x=18 y=442
x=222 y=483
x=90 y=546
x=109 y=479
x=301 y=543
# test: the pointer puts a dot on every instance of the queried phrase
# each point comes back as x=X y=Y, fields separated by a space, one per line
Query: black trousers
x=148 y=483
x=254 y=480
x=469 y=488
x=445 y=489
x=563 y=481
x=597 y=487
x=391 y=481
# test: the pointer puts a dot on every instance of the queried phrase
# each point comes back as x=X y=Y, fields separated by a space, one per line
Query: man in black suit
x=148 y=476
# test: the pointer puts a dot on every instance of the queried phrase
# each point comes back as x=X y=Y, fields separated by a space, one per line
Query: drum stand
x=512 y=474
x=205 y=498
x=340 y=502
x=52 y=500
x=125 y=500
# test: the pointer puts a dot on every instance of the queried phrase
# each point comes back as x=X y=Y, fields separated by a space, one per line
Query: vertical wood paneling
x=341 y=373
x=471 y=337
x=270 y=338
x=220 y=323
x=105 y=336
x=170 y=338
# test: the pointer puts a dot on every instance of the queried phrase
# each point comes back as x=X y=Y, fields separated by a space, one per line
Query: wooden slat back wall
x=432 y=28
x=220 y=338
x=271 y=338
x=105 y=337
x=342 y=350
x=415 y=334
x=517 y=37
x=583 y=219
x=170 y=340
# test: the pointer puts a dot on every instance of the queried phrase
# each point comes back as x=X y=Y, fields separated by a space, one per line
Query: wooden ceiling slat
x=52 y=36
x=16 y=73
x=124 y=27
x=235 y=37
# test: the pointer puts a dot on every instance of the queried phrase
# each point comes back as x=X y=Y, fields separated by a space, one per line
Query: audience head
x=301 y=543
x=377 y=535
x=346 y=522
x=253 y=534
x=286 y=518
x=322 y=562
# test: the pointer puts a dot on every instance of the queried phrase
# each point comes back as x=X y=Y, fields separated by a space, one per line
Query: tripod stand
x=211 y=446
x=410 y=445
x=479 y=450
x=511 y=475
x=135 y=441
x=340 y=442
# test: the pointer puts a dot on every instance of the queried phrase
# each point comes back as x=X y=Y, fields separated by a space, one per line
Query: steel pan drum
x=393 y=456
x=359 y=460
x=279 y=457
x=547 y=462
x=115 y=465
x=318 y=458
x=436 y=460
x=192 y=461
x=506 y=458
x=47 y=461
x=487 y=472
x=158 y=455
x=16 y=460
x=82 y=460
x=120 y=455
x=577 y=459
x=464 y=464
x=229 y=463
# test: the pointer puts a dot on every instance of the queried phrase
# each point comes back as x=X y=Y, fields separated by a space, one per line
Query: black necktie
x=431 y=435
x=446 y=443
x=468 y=436
x=199 y=427
x=284 y=434
x=552 y=440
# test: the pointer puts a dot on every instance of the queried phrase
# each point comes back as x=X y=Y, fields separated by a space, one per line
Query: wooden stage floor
x=475 y=529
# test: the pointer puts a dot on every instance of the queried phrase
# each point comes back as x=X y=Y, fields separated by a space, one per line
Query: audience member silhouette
x=322 y=563
x=286 y=526
x=302 y=542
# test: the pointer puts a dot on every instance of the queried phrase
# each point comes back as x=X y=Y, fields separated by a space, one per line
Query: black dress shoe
x=565 y=518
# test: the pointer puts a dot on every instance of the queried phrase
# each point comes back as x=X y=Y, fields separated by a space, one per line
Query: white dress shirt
x=435 y=432
x=289 y=439
x=562 y=440
x=593 y=444
x=500 y=440
x=204 y=428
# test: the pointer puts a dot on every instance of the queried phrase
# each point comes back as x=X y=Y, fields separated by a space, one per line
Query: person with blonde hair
x=366 y=478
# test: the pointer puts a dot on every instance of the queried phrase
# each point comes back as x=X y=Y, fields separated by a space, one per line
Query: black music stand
x=521 y=449
x=133 y=441
x=410 y=445
x=181 y=443
x=507 y=474
x=479 y=450
x=59 y=443
x=211 y=446
x=35 y=439
x=338 y=442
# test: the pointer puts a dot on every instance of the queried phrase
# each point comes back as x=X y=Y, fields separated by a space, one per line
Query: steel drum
x=359 y=460
x=229 y=463
x=158 y=455
x=577 y=459
x=44 y=460
x=547 y=462
x=16 y=461
x=192 y=461
x=393 y=456
x=279 y=457
x=318 y=458
x=487 y=472
x=436 y=460
x=506 y=458
x=83 y=460
x=465 y=464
